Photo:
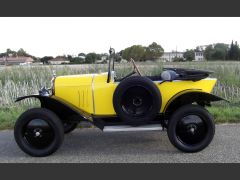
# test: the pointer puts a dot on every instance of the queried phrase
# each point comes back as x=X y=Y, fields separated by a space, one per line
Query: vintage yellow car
x=174 y=101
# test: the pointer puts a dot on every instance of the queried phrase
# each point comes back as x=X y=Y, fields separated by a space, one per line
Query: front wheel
x=191 y=128
x=39 y=132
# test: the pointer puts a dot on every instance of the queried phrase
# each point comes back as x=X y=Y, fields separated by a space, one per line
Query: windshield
x=111 y=73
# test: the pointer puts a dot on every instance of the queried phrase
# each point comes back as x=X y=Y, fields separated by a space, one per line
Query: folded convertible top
x=189 y=74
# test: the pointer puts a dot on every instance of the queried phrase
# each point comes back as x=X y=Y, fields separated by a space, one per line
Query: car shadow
x=96 y=142
x=93 y=142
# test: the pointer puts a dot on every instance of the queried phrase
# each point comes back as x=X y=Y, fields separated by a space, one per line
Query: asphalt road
x=92 y=145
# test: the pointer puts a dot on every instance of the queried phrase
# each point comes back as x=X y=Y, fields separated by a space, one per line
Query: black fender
x=189 y=97
x=63 y=110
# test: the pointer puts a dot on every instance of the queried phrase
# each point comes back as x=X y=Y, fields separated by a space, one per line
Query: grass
x=227 y=114
x=9 y=116
x=18 y=81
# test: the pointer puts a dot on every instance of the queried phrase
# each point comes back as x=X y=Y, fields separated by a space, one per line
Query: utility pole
x=5 y=60
x=176 y=51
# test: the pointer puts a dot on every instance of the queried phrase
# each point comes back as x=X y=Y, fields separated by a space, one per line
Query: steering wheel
x=135 y=68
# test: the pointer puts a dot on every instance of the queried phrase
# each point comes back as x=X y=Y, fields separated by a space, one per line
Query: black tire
x=137 y=100
x=69 y=126
x=191 y=128
x=39 y=132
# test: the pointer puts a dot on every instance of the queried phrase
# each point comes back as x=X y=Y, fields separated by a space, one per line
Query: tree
x=45 y=59
x=21 y=52
x=69 y=57
x=234 y=51
x=221 y=51
x=153 y=51
x=136 y=52
x=91 y=58
x=218 y=52
x=76 y=60
x=118 y=57
x=189 y=55
x=9 y=52
x=2 y=55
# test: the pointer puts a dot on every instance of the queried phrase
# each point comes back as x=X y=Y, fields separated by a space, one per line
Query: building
x=104 y=57
x=170 y=56
x=199 y=56
x=82 y=57
x=59 y=60
x=102 y=61
x=15 y=60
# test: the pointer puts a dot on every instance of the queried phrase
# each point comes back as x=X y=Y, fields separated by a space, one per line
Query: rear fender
x=189 y=97
x=59 y=107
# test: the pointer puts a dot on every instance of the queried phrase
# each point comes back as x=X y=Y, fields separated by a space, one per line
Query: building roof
x=16 y=59
x=59 y=59
x=173 y=52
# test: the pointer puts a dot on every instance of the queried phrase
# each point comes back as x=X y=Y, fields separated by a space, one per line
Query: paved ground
x=91 y=145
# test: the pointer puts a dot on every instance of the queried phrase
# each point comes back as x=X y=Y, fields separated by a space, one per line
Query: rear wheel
x=39 y=132
x=191 y=128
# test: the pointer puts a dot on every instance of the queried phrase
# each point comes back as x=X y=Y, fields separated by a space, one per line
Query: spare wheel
x=137 y=100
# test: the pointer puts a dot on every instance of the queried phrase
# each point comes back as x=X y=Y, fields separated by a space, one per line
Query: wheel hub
x=137 y=101
x=191 y=130
x=38 y=133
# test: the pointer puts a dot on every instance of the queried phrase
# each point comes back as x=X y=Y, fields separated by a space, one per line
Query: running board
x=119 y=128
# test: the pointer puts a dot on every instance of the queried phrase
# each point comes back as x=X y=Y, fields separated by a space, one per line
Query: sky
x=52 y=36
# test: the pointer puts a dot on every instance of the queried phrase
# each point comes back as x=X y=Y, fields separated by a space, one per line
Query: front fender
x=30 y=96
x=63 y=109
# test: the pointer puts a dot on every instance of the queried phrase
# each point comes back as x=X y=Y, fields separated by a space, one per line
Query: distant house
x=104 y=57
x=15 y=60
x=82 y=57
x=59 y=60
x=170 y=56
x=199 y=56
x=102 y=61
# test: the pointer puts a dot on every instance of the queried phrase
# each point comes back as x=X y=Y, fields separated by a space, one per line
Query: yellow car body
x=92 y=95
